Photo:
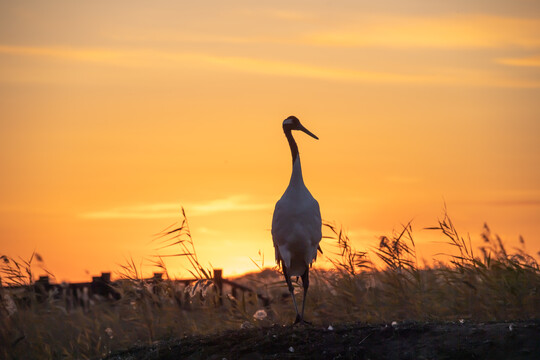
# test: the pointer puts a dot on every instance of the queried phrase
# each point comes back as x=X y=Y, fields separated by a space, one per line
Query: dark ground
x=412 y=340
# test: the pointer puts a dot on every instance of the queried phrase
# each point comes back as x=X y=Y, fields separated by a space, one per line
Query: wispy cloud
x=529 y=61
x=66 y=53
x=146 y=58
x=464 y=31
x=143 y=211
x=232 y=203
x=172 y=210
x=291 y=15
x=141 y=58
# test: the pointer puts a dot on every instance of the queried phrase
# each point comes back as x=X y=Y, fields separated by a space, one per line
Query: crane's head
x=292 y=123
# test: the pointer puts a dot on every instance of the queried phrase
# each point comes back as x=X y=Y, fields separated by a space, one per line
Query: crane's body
x=296 y=224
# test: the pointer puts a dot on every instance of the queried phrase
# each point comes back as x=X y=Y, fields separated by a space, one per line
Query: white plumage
x=296 y=224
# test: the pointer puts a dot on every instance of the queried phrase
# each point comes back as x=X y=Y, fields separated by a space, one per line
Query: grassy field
x=490 y=283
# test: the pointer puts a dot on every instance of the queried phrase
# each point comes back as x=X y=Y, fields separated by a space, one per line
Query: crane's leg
x=291 y=290
x=305 y=285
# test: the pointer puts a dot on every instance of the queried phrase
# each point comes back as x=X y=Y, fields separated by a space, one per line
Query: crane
x=296 y=223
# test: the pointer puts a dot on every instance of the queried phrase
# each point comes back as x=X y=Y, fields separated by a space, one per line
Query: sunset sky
x=115 y=114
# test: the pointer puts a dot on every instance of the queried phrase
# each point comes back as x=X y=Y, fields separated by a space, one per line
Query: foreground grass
x=491 y=284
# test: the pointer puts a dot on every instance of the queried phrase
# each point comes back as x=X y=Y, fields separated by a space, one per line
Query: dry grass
x=492 y=284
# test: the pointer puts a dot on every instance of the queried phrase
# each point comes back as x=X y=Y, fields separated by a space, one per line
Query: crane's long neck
x=296 y=176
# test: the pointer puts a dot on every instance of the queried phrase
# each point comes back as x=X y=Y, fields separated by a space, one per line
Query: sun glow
x=115 y=117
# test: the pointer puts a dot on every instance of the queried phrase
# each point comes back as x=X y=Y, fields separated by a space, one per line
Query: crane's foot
x=300 y=321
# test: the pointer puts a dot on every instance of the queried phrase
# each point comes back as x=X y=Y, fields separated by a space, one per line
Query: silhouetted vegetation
x=491 y=283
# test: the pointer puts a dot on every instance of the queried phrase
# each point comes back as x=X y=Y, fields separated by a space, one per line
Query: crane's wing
x=296 y=231
x=316 y=232
x=278 y=233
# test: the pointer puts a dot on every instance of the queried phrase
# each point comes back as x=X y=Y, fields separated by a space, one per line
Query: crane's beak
x=308 y=132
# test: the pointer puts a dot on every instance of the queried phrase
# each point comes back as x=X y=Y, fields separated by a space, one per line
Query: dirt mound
x=409 y=340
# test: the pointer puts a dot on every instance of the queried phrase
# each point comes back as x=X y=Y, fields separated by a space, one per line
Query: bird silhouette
x=296 y=224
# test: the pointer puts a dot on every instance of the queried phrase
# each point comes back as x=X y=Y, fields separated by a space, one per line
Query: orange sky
x=113 y=115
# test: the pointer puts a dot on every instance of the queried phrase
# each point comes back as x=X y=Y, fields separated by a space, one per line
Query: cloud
x=67 y=53
x=144 y=58
x=443 y=76
x=173 y=210
x=455 y=31
x=291 y=15
x=140 y=58
x=232 y=203
x=146 y=211
x=172 y=61
x=530 y=61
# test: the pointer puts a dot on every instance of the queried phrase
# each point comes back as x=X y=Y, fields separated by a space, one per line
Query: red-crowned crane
x=296 y=224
